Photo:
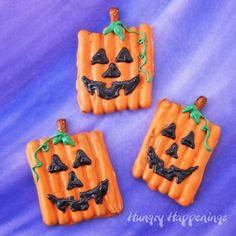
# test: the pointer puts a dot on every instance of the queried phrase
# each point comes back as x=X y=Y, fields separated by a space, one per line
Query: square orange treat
x=176 y=149
x=115 y=69
x=74 y=177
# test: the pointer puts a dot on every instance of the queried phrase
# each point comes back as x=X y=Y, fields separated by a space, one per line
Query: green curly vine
x=59 y=137
x=196 y=115
x=117 y=28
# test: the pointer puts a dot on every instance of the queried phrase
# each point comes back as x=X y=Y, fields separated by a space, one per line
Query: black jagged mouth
x=171 y=172
x=82 y=204
x=114 y=91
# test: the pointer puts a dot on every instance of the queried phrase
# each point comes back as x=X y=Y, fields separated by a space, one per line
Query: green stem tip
x=196 y=115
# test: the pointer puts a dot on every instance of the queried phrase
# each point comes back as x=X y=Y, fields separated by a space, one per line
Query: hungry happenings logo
x=185 y=220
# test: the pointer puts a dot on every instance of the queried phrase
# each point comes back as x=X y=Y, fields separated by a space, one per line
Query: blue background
x=195 y=54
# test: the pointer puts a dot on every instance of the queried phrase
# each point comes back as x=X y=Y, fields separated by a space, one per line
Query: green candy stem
x=59 y=137
x=117 y=27
x=196 y=115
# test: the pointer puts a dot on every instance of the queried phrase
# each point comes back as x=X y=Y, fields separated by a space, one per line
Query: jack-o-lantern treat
x=74 y=177
x=176 y=149
x=115 y=69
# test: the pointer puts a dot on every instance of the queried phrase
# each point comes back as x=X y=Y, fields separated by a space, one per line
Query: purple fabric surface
x=195 y=54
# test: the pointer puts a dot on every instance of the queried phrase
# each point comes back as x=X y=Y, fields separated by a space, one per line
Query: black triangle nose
x=73 y=181
x=111 y=72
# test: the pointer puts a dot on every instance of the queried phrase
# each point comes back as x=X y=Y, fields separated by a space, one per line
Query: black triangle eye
x=73 y=181
x=100 y=57
x=56 y=165
x=188 y=140
x=124 y=56
x=169 y=131
x=172 y=151
x=81 y=159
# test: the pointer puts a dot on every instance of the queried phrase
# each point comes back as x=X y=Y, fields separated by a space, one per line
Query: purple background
x=195 y=54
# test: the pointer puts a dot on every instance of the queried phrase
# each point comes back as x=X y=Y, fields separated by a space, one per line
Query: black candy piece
x=100 y=57
x=111 y=72
x=81 y=205
x=172 y=151
x=61 y=203
x=188 y=140
x=56 y=165
x=152 y=160
x=124 y=56
x=181 y=175
x=169 y=131
x=73 y=182
x=96 y=193
x=81 y=159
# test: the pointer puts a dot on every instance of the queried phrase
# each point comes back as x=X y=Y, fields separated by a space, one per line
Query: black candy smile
x=114 y=90
x=171 y=172
x=96 y=193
